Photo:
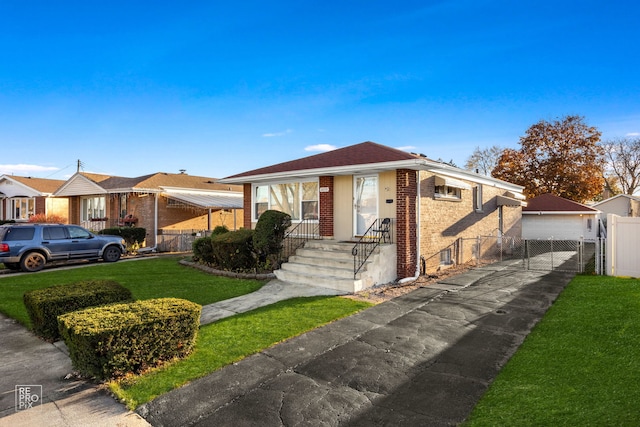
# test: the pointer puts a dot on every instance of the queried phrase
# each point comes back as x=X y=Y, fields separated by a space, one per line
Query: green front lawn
x=580 y=366
x=146 y=278
x=218 y=344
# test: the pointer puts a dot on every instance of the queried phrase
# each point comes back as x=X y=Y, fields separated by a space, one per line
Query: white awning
x=208 y=201
x=508 y=201
x=450 y=182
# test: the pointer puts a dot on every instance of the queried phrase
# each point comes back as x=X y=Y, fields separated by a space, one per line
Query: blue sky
x=218 y=88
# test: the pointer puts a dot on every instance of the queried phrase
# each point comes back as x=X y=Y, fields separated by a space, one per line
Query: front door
x=365 y=205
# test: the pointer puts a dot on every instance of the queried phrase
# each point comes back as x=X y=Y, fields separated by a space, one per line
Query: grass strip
x=232 y=339
x=579 y=366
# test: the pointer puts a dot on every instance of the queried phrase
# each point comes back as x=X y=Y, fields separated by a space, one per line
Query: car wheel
x=111 y=254
x=33 y=261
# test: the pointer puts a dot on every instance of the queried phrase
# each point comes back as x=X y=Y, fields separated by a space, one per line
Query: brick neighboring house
x=344 y=191
x=160 y=202
x=22 y=197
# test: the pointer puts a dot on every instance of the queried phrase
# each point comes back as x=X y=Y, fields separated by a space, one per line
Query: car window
x=54 y=233
x=79 y=233
x=19 y=233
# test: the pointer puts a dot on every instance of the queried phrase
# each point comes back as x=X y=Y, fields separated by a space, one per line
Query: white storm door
x=365 y=205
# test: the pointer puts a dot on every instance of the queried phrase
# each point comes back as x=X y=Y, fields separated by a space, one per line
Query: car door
x=57 y=242
x=83 y=243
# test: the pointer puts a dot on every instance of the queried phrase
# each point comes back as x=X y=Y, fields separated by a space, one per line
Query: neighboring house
x=159 y=202
x=431 y=205
x=551 y=217
x=22 y=197
x=621 y=205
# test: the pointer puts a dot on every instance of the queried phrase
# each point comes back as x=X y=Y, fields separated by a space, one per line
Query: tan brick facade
x=444 y=221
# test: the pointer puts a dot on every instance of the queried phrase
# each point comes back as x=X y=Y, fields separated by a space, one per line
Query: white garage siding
x=559 y=227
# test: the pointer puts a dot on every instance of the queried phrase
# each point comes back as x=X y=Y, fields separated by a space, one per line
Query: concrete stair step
x=319 y=270
x=338 y=283
x=322 y=261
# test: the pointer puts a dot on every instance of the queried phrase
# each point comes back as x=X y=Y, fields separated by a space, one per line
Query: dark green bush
x=113 y=340
x=45 y=305
x=220 y=229
x=269 y=234
x=202 y=250
x=131 y=235
x=234 y=250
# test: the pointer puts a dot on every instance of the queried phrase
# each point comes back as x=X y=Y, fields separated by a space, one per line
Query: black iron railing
x=297 y=236
x=380 y=230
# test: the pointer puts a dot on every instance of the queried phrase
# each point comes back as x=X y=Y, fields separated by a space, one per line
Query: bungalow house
x=345 y=192
x=22 y=197
x=621 y=205
x=160 y=202
x=551 y=217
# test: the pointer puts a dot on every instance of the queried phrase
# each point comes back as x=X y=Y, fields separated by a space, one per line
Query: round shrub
x=234 y=250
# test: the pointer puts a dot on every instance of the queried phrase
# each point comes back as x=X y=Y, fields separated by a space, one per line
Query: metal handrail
x=296 y=237
x=368 y=243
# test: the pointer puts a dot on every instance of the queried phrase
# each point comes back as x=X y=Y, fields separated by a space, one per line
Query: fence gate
x=548 y=255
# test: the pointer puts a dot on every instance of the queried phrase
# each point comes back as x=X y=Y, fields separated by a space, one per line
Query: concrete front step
x=318 y=260
x=338 y=283
x=318 y=269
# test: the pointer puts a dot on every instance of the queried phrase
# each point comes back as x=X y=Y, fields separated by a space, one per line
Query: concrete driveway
x=421 y=359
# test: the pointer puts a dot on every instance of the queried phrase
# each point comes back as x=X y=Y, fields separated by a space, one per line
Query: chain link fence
x=577 y=256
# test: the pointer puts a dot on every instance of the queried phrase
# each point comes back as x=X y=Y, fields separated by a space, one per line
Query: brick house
x=22 y=197
x=431 y=205
x=160 y=202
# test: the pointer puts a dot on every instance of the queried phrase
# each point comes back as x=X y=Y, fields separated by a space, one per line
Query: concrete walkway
x=420 y=359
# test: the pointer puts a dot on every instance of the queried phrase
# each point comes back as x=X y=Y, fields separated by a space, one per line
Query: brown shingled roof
x=42 y=185
x=359 y=154
x=552 y=203
x=160 y=179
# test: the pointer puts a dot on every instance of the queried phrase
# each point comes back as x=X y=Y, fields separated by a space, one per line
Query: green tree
x=560 y=157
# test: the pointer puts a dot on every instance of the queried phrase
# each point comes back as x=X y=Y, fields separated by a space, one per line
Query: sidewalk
x=421 y=359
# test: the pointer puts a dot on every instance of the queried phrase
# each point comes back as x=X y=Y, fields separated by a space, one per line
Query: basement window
x=445 y=257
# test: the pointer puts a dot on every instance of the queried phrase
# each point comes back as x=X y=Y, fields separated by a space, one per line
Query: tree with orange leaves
x=561 y=157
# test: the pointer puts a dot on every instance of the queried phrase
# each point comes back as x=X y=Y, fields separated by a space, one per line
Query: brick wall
x=326 y=207
x=406 y=222
x=247 y=206
x=444 y=221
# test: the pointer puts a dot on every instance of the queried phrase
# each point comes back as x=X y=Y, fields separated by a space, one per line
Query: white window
x=445 y=257
x=447 y=192
x=21 y=208
x=92 y=208
x=298 y=199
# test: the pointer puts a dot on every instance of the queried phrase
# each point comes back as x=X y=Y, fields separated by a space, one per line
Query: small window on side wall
x=446 y=192
x=445 y=257
x=477 y=198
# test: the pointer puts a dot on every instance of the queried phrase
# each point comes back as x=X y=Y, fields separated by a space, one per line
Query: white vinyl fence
x=623 y=246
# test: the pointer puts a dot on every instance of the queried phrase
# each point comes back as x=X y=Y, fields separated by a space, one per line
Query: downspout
x=417 y=274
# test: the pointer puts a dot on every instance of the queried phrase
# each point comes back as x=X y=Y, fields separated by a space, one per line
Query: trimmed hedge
x=233 y=250
x=111 y=341
x=269 y=233
x=131 y=235
x=45 y=305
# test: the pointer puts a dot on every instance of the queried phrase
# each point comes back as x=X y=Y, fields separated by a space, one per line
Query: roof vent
x=182 y=171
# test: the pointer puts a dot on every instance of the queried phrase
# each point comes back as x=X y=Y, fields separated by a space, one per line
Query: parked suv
x=30 y=247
